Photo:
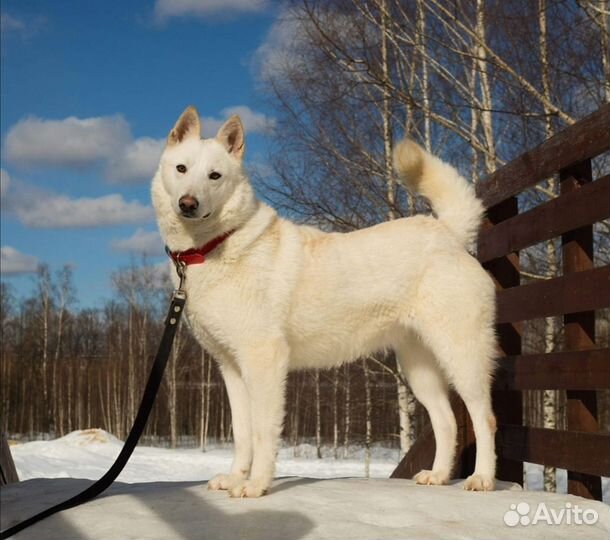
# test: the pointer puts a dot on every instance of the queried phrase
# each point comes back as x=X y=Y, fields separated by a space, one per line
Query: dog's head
x=199 y=176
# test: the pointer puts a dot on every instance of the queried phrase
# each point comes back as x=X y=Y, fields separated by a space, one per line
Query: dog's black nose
x=188 y=204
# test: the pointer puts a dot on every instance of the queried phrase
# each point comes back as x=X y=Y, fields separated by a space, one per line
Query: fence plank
x=589 y=204
x=572 y=293
x=507 y=404
x=579 y=326
x=587 y=453
x=420 y=455
x=583 y=140
x=572 y=370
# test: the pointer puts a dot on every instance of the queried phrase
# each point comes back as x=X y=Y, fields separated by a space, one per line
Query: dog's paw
x=480 y=482
x=249 y=488
x=224 y=481
x=431 y=478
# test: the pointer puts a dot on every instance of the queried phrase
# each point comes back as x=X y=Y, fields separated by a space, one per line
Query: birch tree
x=549 y=396
x=347 y=407
x=45 y=292
x=318 y=414
x=171 y=384
x=65 y=296
x=368 y=406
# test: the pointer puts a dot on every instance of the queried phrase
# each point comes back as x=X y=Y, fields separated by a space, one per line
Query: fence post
x=8 y=472
x=507 y=404
x=579 y=329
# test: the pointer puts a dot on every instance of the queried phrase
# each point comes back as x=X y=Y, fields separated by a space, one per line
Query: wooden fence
x=582 y=367
x=8 y=472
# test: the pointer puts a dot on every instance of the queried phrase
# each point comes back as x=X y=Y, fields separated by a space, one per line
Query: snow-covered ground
x=161 y=494
x=89 y=454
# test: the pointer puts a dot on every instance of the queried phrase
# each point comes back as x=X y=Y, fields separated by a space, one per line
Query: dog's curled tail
x=453 y=199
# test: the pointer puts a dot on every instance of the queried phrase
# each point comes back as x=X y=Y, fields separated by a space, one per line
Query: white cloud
x=78 y=143
x=5 y=182
x=165 y=9
x=37 y=208
x=136 y=161
x=61 y=212
x=285 y=47
x=142 y=242
x=282 y=47
x=71 y=142
x=254 y=122
x=14 y=262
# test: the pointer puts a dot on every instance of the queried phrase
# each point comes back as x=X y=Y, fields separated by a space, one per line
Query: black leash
x=150 y=392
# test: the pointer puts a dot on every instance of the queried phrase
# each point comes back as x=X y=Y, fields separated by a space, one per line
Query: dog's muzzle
x=188 y=206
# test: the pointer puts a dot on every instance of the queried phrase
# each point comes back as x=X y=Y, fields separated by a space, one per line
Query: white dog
x=274 y=296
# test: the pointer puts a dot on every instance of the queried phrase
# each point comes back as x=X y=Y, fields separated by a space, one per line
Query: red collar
x=197 y=255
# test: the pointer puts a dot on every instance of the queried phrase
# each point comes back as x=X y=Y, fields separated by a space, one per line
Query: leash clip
x=180 y=293
x=181 y=271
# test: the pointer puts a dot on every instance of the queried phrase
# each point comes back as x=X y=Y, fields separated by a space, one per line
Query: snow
x=162 y=495
x=90 y=453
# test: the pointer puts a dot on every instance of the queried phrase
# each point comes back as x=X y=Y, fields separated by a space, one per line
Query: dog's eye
x=214 y=175
x=181 y=168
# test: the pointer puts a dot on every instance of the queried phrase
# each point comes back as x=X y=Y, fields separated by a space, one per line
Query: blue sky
x=89 y=92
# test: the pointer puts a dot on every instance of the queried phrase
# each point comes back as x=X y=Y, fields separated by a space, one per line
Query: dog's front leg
x=264 y=367
x=242 y=432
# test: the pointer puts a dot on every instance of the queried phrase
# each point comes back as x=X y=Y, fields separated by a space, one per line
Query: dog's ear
x=188 y=125
x=231 y=136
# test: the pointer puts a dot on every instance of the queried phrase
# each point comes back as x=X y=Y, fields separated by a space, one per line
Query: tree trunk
x=406 y=411
x=207 y=405
x=486 y=102
x=296 y=414
x=318 y=415
x=131 y=374
x=347 y=403
x=402 y=391
x=221 y=399
x=549 y=405
x=172 y=383
x=103 y=411
x=423 y=57
x=369 y=426
x=78 y=405
x=45 y=290
x=202 y=395
x=69 y=402
x=89 y=397
x=604 y=30
x=335 y=413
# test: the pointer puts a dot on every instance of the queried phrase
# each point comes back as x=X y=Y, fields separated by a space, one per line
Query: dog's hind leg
x=429 y=386
x=242 y=432
x=476 y=393
x=467 y=359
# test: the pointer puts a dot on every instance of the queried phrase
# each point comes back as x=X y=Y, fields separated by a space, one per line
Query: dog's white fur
x=277 y=296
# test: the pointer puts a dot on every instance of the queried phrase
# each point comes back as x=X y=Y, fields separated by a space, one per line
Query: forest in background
x=475 y=81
